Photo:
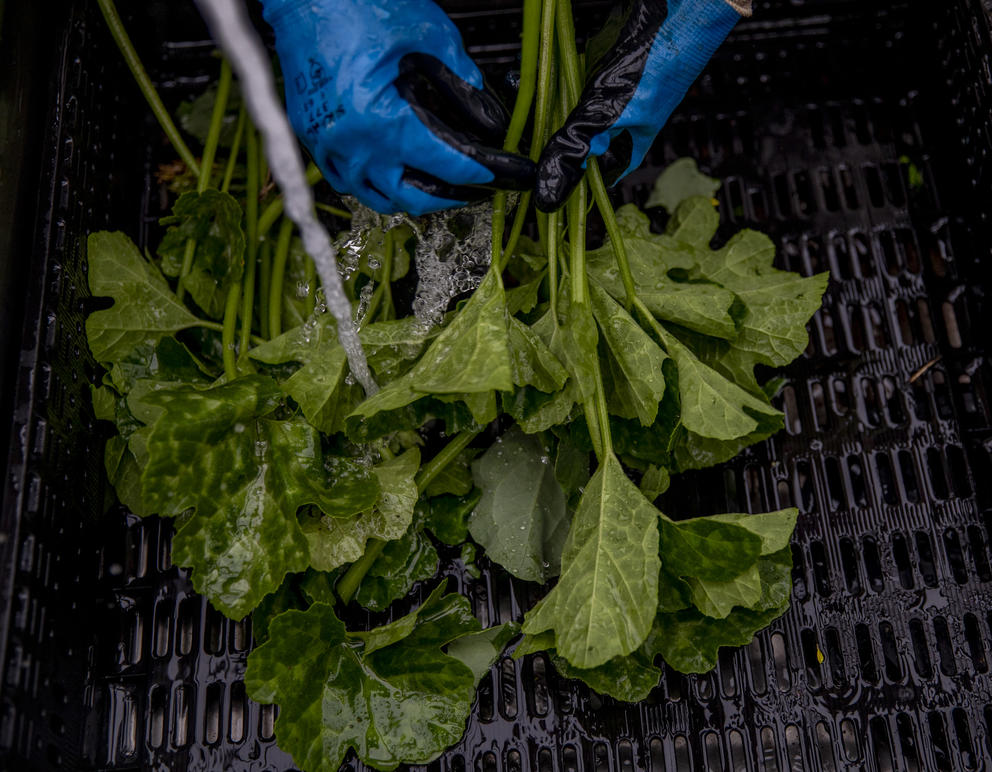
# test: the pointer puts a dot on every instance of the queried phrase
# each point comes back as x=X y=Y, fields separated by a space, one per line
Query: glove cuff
x=743 y=7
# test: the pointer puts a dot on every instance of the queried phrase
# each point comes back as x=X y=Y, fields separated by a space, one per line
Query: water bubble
x=451 y=255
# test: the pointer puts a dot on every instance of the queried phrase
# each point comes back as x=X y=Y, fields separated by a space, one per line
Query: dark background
x=811 y=114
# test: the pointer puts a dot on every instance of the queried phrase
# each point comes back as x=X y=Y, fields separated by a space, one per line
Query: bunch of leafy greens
x=293 y=494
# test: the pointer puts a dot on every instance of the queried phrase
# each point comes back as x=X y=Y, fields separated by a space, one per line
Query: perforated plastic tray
x=811 y=114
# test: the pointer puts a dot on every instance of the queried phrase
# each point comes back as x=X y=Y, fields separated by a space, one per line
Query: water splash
x=452 y=253
x=230 y=25
x=452 y=256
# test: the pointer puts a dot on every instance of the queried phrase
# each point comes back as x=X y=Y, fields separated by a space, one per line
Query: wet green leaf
x=447 y=516
x=707 y=548
x=629 y=678
x=334 y=541
x=604 y=602
x=680 y=180
x=144 y=309
x=633 y=362
x=479 y=651
x=520 y=519
x=410 y=559
x=396 y=699
x=245 y=476
x=213 y=220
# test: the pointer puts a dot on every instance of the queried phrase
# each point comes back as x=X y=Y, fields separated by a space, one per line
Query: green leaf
x=689 y=641
x=680 y=180
x=397 y=409
x=520 y=519
x=537 y=411
x=707 y=548
x=334 y=541
x=523 y=299
x=272 y=605
x=245 y=476
x=404 y=702
x=694 y=223
x=124 y=473
x=774 y=528
x=447 y=516
x=144 y=309
x=401 y=564
x=655 y=482
x=604 y=601
x=634 y=362
x=532 y=362
x=166 y=361
x=469 y=356
x=456 y=477
x=779 y=303
x=629 y=678
x=674 y=593
x=713 y=406
x=692 y=451
x=697 y=304
x=576 y=341
x=533 y=644
x=700 y=306
x=195 y=115
x=213 y=220
x=467 y=555
x=716 y=599
x=318 y=586
x=472 y=353
x=479 y=651
x=571 y=465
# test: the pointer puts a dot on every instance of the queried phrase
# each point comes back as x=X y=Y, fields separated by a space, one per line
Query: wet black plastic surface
x=811 y=114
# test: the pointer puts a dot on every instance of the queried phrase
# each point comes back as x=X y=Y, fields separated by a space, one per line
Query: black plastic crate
x=812 y=114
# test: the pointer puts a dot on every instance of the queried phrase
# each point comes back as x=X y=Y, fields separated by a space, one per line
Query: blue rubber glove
x=390 y=106
x=660 y=50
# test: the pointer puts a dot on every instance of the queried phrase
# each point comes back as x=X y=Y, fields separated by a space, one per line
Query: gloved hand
x=660 y=50
x=390 y=106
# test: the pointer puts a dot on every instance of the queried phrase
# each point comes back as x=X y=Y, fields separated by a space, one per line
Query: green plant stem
x=216 y=124
x=273 y=210
x=218 y=327
x=229 y=331
x=184 y=270
x=123 y=41
x=445 y=456
x=544 y=78
x=575 y=210
x=498 y=223
x=528 y=74
x=232 y=159
x=336 y=211
x=203 y=178
x=265 y=279
x=659 y=331
x=568 y=56
x=521 y=109
x=602 y=199
x=251 y=249
x=519 y=215
x=278 y=276
x=348 y=584
x=551 y=248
